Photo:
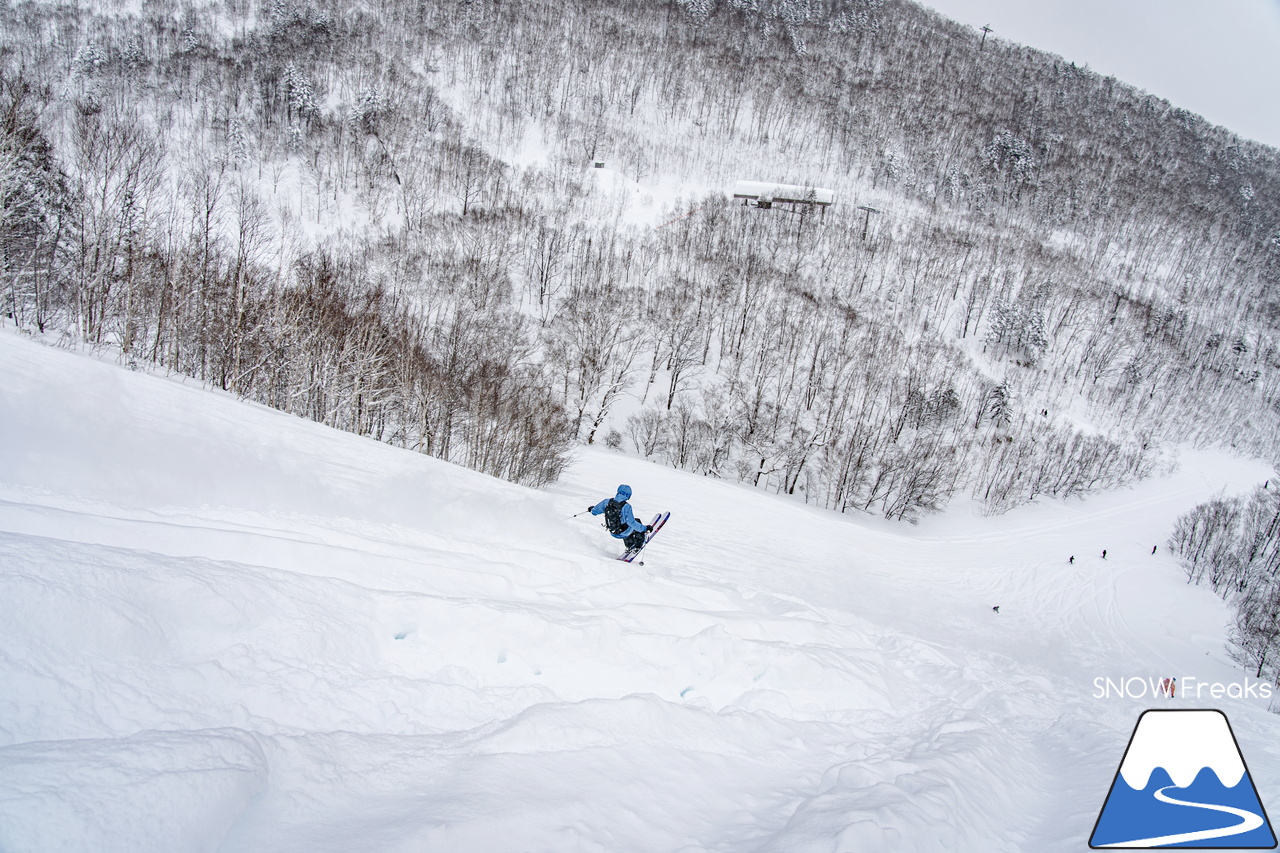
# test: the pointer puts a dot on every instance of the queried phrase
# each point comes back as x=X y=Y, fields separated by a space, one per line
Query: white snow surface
x=1183 y=743
x=223 y=628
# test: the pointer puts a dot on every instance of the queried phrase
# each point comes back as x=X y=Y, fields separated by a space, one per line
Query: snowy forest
x=1234 y=544
x=1035 y=280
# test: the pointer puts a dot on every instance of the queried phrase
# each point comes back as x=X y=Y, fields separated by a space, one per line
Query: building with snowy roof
x=766 y=194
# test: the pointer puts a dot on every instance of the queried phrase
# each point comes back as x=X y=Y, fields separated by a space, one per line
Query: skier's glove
x=648 y=528
x=590 y=508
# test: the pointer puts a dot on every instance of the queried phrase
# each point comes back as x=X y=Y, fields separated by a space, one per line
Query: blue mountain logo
x=1183 y=783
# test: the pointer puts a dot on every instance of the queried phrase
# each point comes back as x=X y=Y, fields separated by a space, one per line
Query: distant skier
x=1072 y=559
x=1104 y=553
x=620 y=521
x=1153 y=548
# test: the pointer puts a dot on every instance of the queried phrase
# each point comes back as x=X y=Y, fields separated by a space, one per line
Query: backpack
x=613 y=517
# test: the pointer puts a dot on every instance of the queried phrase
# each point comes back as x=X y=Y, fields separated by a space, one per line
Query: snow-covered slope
x=224 y=628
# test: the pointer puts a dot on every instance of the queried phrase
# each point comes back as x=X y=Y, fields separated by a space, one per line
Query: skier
x=620 y=521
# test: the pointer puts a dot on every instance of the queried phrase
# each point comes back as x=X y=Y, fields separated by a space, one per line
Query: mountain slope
x=1034 y=280
x=232 y=629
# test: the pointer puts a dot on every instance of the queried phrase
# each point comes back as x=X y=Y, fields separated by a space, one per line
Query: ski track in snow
x=229 y=629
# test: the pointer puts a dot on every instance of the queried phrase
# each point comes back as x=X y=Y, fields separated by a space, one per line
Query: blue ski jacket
x=627 y=516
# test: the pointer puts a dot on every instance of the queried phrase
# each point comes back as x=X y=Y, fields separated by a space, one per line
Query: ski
x=658 y=521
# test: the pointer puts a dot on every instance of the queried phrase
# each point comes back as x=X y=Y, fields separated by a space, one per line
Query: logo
x=1183 y=783
x=1187 y=687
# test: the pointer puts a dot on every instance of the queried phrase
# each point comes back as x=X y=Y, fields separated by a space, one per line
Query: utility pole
x=866 y=219
x=986 y=28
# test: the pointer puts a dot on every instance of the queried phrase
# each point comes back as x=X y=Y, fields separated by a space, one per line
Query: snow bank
x=169 y=792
